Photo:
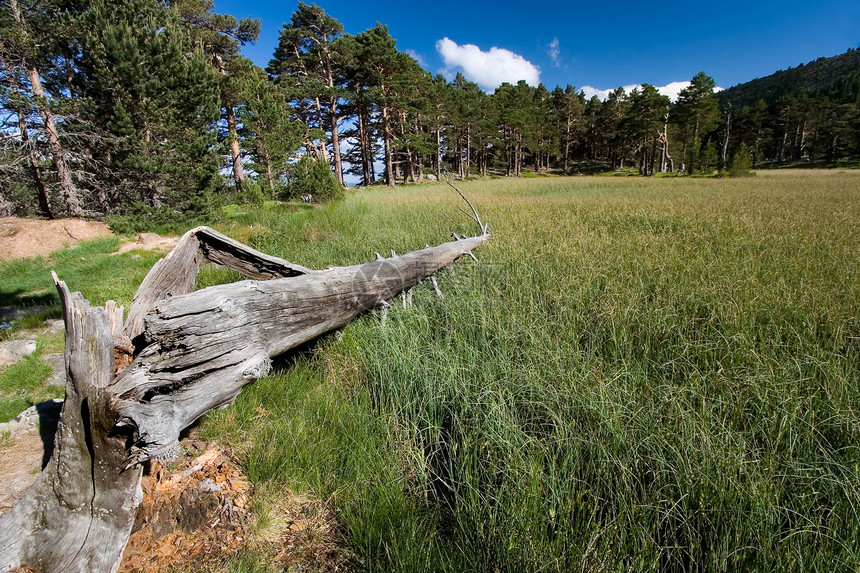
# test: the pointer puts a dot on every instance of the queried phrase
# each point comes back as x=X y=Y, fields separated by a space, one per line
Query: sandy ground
x=21 y=238
x=35 y=237
x=20 y=463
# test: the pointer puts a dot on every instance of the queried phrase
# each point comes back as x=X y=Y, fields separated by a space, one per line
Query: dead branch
x=133 y=387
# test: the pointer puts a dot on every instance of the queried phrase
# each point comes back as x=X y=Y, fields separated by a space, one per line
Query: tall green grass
x=640 y=374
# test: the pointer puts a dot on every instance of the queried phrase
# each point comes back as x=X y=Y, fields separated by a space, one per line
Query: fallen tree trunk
x=131 y=389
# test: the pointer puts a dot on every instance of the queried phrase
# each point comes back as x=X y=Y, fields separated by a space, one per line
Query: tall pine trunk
x=322 y=147
x=335 y=134
x=235 y=151
x=64 y=174
x=438 y=154
x=232 y=133
x=725 y=149
x=387 y=139
x=335 y=142
x=41 y=189
x=364 y=141
x=270 y=179
x=32 y=161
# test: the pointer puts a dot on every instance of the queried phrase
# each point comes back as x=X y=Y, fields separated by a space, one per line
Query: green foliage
x=837 y=78
x=708 y=158
x=741 y=164
x=254 y=192
x=314 y=177
x=166 y=220
x=271 y=137
x=159 y=102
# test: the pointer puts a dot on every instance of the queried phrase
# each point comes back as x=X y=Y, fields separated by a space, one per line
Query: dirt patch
x=26 y=444
x=34 y=237
x=149 y=241
x=21 y=238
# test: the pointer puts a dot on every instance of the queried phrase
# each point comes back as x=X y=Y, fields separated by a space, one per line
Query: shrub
x=165 y=220
x=254 y=192
x=741 y=163
x=314 y=177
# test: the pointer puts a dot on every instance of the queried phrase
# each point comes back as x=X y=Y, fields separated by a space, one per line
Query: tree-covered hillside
x=836 y=78
x=806 y=114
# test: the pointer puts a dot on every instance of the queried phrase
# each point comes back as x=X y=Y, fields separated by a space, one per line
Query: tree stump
x=132 y=388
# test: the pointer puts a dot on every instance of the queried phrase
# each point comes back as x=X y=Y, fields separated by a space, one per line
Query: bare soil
x=20 y=463
x=21 y=238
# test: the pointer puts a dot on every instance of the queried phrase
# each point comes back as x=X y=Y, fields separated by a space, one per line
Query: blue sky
x=602 y=45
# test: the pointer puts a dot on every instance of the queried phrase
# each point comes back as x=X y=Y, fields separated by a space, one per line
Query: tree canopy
x=122 y=107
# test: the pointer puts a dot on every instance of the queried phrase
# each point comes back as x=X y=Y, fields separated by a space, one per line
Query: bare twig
x=474 y=215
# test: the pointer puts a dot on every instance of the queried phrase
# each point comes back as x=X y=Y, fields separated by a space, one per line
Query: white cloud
x=603 y=94
x=554 y=52
x=672 y=89
x=487 y=69
x=417 y=57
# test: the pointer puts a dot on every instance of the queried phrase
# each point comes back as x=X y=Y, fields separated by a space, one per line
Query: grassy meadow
x=640 y=374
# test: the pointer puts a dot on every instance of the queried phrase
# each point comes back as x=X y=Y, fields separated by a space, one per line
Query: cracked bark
x=133 y=387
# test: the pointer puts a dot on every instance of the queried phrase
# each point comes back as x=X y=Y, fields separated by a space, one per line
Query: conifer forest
x=145 y=105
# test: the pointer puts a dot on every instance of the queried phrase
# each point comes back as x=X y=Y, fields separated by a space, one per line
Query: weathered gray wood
x=177 y=272
x=203 y=347
x=232 y=254
x=78 y=515
x=192 y=352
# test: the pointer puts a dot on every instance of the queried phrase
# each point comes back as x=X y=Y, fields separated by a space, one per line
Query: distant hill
x=837 y=78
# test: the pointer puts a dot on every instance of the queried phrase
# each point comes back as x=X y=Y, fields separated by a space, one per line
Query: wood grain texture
x=78 y=514
x=190 y=351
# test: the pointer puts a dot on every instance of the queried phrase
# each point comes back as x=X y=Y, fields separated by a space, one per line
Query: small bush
x=254 y=192
x=165 y=220
x=314 y=177
x=741 y=163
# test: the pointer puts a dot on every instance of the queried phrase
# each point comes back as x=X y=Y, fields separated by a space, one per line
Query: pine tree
x=377 y=64
x=156 y=103
x=358 y=105
x=697 y=113
x=741 y=162
x=220 y=36
x=271 y=136
x=466 y=115
x=28 y=58
x=644 y=124
x=309 y=62
x=440 y=119
x=613 y=138
x=568 y=108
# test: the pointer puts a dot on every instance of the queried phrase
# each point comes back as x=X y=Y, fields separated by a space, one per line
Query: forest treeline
x=118 y=107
